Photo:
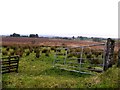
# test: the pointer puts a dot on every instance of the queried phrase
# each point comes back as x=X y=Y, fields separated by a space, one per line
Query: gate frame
x=7 y=63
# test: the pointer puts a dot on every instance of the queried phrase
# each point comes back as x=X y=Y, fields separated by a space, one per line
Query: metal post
x=55 y=57
x=81 y=59
x=65 y=56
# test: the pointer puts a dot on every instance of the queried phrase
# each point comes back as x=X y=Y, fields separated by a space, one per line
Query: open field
x=36 y=66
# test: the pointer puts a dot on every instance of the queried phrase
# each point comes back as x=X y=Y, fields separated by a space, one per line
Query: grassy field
x=39 y=73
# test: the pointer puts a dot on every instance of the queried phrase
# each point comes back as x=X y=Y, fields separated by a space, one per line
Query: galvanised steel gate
x=85 y=59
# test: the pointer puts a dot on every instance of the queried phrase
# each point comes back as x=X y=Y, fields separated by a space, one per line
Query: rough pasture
x=44 y=41
x=36 y=71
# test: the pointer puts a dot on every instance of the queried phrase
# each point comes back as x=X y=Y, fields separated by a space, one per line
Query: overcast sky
x=60 y=17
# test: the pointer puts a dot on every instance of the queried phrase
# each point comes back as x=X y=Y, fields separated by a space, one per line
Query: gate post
x=109 y=50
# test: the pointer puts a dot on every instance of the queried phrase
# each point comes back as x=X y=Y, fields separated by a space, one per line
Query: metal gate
x=84 y=59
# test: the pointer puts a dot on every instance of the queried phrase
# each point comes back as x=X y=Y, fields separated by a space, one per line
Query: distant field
x=45 y=41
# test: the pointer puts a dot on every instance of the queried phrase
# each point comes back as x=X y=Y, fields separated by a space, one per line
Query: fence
x=85 y=58
x=10 y=64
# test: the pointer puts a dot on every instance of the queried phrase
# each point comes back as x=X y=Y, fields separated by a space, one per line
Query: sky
x=91 y=18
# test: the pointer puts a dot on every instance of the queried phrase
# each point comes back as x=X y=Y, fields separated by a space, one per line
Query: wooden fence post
x=109 y=51
x=17 y=63
x=9 y=58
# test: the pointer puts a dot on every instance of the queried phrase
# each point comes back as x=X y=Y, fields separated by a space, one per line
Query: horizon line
x=46 y=35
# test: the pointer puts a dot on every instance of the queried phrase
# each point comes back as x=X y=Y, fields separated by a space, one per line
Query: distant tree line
x=18 y=35
x=96 y=39
x=15 y=35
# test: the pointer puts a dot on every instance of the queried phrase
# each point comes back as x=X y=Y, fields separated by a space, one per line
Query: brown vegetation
x=43 y=41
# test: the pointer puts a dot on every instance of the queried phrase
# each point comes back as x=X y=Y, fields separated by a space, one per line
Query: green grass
x=39 y=73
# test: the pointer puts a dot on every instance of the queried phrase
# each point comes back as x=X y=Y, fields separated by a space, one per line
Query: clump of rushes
x=96 y=61
x=7 y=48
x=4 y=53
x=36 y=49
x=37 y=53
x=13 y=47
x=87 y=51
x=96 y=53
x=21 y=49
x=70 y=55
x=88 y=56
x=31 y=50
x=53 y=48
x=27 y=53
x=78 y=50
x=47 y=54
x=12 y=53
x=45 y=50
x=58 y=50
x=25 y=47
x=42 y=45
x=18 y=52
